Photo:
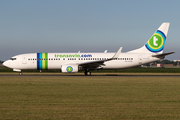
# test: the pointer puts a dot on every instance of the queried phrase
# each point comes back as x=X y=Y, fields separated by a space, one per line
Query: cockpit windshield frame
x=12 y=59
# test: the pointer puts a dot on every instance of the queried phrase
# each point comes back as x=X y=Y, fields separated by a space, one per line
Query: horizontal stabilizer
x=162 y=55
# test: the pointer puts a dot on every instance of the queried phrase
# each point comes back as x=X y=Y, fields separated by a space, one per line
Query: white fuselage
x=56 y=60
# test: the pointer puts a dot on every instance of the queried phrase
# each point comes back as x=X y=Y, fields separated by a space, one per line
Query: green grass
x=89 y=98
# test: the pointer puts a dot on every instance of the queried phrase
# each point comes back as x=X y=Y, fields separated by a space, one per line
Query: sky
x=31 y=26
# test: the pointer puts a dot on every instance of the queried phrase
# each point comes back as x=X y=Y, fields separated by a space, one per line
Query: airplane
x=74 y=62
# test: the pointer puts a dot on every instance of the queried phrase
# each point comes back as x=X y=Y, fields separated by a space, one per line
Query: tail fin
x=157 y=41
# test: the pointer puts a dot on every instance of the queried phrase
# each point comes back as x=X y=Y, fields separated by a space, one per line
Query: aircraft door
x=24 y=60
x=140 y=59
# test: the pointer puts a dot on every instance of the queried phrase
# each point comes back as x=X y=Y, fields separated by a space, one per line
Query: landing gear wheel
x=20 y=73
x=88 y=73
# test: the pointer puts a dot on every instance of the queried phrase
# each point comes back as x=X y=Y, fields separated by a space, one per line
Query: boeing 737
x=74 y=62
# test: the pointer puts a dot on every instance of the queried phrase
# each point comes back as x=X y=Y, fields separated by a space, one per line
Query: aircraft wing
x=92 y=65
x=162 y=55
x=95 y=64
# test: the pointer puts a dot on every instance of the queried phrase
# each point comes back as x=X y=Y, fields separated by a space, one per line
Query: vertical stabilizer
x=157 y=41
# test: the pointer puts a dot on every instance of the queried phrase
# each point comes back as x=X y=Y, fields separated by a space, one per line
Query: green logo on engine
x=69 y=69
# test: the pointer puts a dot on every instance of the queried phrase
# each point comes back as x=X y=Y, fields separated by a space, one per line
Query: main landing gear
x=87 y=72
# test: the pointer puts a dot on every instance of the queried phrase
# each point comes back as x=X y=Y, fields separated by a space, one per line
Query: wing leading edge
x=95 y=64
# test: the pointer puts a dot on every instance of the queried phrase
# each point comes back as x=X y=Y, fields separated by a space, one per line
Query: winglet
x=116 y=55
x=105 y=51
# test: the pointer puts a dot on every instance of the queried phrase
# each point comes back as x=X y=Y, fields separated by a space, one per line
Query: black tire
x=88 y=73
x=20 y=73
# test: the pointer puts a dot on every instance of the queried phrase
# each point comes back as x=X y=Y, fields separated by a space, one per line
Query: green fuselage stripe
x=46 y=61
x=42 y=61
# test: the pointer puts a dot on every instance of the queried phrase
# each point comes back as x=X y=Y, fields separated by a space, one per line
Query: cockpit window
x=13 y=58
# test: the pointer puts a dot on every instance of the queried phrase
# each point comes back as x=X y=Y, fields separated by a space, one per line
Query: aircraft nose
x=6 y=63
